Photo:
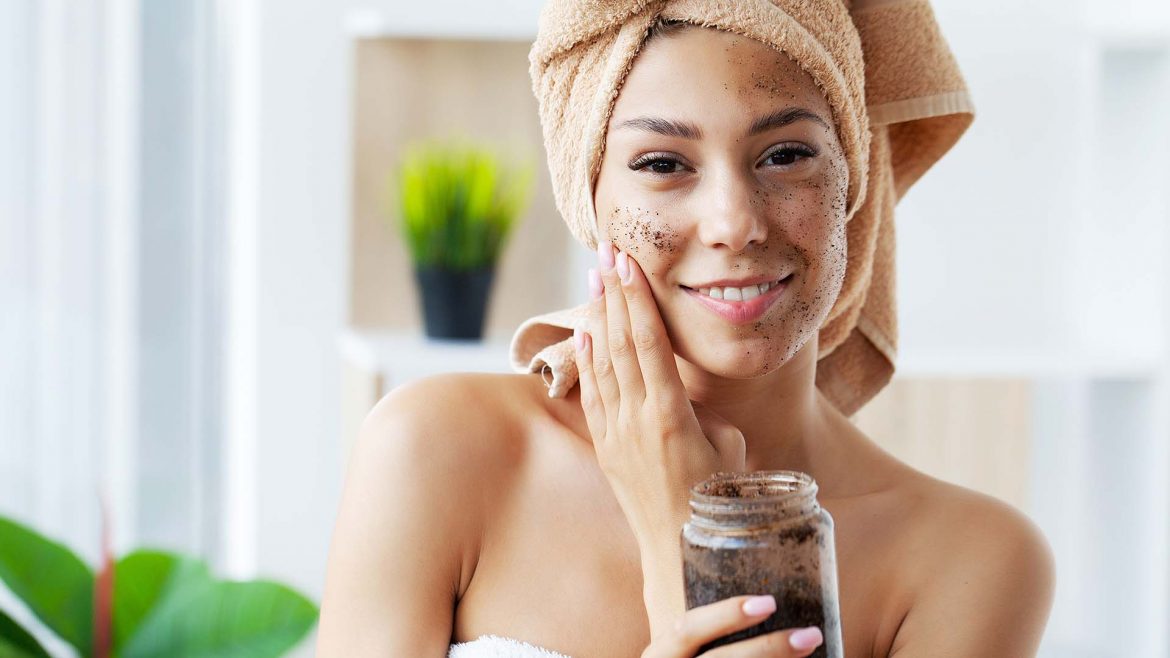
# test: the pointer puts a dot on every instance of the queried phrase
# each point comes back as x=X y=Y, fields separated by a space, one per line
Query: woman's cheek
x=643 y=233
x=835 y=200
x=800 y=216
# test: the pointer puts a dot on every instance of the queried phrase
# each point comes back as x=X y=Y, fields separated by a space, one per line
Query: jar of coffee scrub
x=764 y=533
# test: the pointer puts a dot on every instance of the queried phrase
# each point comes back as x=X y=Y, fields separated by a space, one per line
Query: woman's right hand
x=703 y=624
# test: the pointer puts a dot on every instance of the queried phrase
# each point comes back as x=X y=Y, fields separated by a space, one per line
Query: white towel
x=493 y=646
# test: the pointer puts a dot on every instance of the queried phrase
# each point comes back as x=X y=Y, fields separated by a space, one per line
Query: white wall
x=300 y=234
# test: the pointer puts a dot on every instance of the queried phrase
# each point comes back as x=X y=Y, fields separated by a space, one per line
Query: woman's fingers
x=603 y=374
x=623 y=357
x=591 y=401
x=791 y=643
x=630 y=351
x=647 y=331
x=703 y=624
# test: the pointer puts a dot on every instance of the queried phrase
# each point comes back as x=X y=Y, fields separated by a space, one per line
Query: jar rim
x=797 y=486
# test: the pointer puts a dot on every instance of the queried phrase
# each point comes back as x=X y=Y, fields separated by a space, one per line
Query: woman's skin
x=475 y=504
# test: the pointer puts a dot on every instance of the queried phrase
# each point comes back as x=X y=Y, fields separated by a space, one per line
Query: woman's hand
x=706 y=623
x=652 y=444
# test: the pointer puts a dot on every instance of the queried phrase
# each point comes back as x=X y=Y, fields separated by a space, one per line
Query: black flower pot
x=454 y=302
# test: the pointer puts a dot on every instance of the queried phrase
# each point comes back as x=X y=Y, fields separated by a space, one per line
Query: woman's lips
x=739 y=312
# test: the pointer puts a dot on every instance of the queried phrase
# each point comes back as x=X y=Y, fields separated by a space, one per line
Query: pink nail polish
x=806 y=638
x=605 y=253
x=623 y=266
x=759 y=605
x=596 y=289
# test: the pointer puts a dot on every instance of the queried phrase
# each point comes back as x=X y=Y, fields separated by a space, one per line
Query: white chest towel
x=493 y=646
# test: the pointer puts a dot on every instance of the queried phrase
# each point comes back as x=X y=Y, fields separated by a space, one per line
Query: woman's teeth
x=738 y=294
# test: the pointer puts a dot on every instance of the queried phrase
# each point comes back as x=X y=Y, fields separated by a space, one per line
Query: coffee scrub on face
x=764 y=533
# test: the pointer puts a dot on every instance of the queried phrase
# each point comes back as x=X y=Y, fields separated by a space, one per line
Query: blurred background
x=204 y=285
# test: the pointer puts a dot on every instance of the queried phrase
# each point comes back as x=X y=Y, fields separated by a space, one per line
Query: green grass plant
x=458 y=202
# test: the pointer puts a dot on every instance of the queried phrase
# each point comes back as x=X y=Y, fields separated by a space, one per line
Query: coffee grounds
x=798 y=604
x=713 y=574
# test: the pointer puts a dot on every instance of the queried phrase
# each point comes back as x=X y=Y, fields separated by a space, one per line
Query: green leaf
x=53 y=582
x=141 y=580
x=12 y=651
x=195 y=616
x=15 y=641
x=457 y=203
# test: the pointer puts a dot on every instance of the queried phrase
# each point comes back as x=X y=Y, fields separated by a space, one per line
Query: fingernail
x=578 y=338
x=623 y=266
x=806 y=638
x=760 y=605
x=596 y=289
x=605 y=253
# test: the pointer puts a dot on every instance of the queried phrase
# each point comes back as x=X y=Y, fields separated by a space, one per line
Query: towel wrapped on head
x=898 y=100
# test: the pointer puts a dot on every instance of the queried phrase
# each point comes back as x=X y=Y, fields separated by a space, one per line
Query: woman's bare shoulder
x=479 y=392
x=975 y=564
x=428 y=464
x=960 y=516
x=473 y=416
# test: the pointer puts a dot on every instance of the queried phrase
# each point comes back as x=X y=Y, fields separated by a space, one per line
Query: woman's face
x=698 y=197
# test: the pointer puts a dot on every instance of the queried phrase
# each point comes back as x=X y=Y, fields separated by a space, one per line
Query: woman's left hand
x=652 y=442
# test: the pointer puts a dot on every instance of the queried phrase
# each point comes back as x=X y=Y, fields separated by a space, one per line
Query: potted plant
x=458 y=203
x=146 y=604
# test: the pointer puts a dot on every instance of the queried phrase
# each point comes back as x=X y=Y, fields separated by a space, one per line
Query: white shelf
x=399 y=357
x=411 y=355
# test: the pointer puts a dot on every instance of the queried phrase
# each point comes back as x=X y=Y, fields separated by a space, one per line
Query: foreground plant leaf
x=179 y=609
x=15 y=642
x=52 y=581
x=144 y=577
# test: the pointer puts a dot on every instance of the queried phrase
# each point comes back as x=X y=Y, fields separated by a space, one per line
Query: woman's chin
x=736 y=361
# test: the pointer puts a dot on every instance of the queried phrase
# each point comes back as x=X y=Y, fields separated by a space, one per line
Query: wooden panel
x=413 y=88
x=974 y=432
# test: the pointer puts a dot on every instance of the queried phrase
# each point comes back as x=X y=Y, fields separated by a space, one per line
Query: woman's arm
x=402 y=538
x=991 y=593
x=651 y=441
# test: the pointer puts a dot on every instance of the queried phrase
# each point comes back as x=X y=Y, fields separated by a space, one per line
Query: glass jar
x=764 y=533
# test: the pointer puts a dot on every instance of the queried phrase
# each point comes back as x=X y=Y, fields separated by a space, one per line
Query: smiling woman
x=722 y=159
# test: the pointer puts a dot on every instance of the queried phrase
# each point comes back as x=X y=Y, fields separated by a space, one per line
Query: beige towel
x=899 y=103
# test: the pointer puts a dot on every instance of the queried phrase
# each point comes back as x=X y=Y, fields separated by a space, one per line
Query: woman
x=478 y=508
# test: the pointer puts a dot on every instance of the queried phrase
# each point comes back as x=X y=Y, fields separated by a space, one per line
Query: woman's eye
x=663 y=166
x=788 y=155
x=657 y=165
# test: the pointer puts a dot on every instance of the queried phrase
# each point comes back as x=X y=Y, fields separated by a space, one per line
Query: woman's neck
x=779 y=414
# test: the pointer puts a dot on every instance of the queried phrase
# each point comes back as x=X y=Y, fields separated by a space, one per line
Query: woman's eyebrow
x=688 y=130
x=783 y=118
x=661 y=126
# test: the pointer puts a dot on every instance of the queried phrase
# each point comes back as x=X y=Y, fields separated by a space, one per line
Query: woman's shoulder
x=959 y=517
x=483 y=391
x=464 y=411
x=480 y=424
x=425 y=475
x=936 y=512
x=978 y=564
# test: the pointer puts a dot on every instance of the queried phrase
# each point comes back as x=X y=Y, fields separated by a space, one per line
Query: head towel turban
x=899 y=103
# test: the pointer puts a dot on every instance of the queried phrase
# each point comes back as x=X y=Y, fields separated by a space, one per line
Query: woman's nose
x=732 y=215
